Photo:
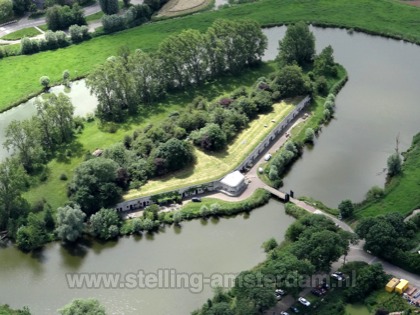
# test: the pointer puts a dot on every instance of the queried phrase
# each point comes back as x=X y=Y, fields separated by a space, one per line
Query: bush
x=309 y=135
x=79 y=33
x=44 y=81
x=63 y=176
x=269 y=245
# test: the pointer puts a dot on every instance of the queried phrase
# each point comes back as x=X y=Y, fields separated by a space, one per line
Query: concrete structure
x=390 y=286
x=402 y=286
x=233 y=184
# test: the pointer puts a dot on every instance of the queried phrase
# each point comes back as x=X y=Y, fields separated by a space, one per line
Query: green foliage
x=210 y=138
x=85 y=307
x=44 y=81
x=109 y=6
x=309 y=135
x=394 y=165
x=6 y=7
x=94 y=185
x=6 y=310
x=368 y=279
x=346 y=209
x=79 y=33
x=32 y=235
x=324 y=63
x=173 y=155
x=389 y=237
x=70 y=222
x=291 y=81
x=297 y=46
x=269 y=245
x=105 y=224
x=61 y=17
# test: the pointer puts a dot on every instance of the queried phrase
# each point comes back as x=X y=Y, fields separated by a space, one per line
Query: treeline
x=390 y=237
x=190 y=58
x=54 y=40
x=285 y=267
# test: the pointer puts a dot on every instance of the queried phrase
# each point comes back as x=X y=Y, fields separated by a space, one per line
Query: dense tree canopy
x=105 y=224
x=109 y=6
x=297 y=46
x=94 y=185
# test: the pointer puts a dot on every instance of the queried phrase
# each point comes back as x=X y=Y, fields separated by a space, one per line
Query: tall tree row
x=186 y=59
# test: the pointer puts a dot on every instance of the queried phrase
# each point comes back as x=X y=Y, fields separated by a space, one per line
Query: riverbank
x=401 y=193
x=375 y=17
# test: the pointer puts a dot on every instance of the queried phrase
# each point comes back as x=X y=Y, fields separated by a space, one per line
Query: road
x=25 y=22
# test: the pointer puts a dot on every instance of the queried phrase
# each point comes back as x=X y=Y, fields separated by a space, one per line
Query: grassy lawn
x=28 y=32
x=384 y=17
x=402 y=193
x=213 y=166
x=54 y=190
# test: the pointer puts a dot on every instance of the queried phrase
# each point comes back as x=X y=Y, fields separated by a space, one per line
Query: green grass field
x=384 y=17
x=402 y=193
x=28 y=32
x=92 y=137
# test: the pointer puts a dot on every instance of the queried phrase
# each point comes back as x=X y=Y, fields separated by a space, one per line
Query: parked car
x=196 y=199
x=267 y=157
x=316 y=292
x=278 y=297
x=294 y=309
x=280 y=291
x=336 y=276
x=304 y=301
x=284 y=313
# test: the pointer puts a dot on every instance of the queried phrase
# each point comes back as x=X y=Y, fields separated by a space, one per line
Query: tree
x=211 y=137
x=394 y=165
x=6 y=9
x=105 y=224
x=93 y=185
x=23 y=138
x=324 y=63
x=13 y=180
x=298 y=45
x=319 y=252
x=269 y=245
x=70 y=222
x=44 y=81
x=290 y=81
x=20 y=6
x=176 y=153
x=55 y=116
x=109 y=6
x=346 y=208
x=32 y=235
x=309 y=135
x=85 y=307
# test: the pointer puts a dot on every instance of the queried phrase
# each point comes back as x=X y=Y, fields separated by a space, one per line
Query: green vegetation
x=401 y=192
x=25 y=32
x=6 y=310
x=389 y=237
x=95 y=135
x=301 y=255
x=80 y=306
x=383 y=17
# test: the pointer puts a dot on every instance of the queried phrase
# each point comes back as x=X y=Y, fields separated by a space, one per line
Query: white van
x=267 y=157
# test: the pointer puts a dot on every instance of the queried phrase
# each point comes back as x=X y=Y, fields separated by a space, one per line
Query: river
x=378 y=103
x=228 y=245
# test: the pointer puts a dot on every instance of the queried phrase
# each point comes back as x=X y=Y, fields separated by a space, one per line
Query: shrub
x=44 y=81
x=78 y=33
x=63 y=176
x=269 y=245
x=309 y=135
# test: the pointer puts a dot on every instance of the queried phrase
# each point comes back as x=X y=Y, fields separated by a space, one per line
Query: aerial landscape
x=209 y=157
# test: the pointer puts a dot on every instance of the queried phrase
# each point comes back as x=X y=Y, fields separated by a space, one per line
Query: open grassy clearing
x=214 y=166
x=382 y=17
x=54 y=190
x=28 y=32
x=402 y=193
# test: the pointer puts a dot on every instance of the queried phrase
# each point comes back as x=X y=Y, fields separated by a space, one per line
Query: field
x=389 y=18
x=182 y=7
x=54 y=190
x=402 y=193
x=28 y=32
x=214 y=166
